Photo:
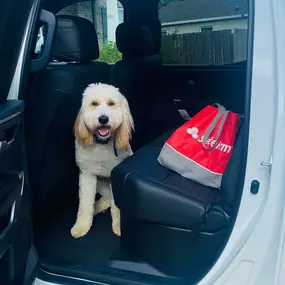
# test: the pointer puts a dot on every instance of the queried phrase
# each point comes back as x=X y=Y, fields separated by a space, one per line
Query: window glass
x=121 y=13
x=39 y=41
x=207 y=29
x=106 y=16
x=203 y=32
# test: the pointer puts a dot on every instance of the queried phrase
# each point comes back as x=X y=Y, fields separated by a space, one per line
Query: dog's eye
x=94 y=103
x=111 y=103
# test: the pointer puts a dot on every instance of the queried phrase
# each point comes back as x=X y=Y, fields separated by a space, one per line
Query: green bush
x=170 y=52
x=109 y=52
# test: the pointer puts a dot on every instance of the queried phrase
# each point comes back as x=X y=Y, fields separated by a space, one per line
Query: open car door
x=17 y=259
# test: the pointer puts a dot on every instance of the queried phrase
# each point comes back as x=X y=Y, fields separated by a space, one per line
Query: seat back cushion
x=135 y=75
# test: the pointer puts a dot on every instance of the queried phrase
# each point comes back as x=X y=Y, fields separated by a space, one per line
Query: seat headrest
x=75 y=40
x=134 y=40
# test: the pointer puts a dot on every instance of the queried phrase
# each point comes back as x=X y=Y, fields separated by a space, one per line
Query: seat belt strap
x=180 y=108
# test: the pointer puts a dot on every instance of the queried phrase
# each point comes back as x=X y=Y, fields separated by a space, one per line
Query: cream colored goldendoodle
x=103 y=130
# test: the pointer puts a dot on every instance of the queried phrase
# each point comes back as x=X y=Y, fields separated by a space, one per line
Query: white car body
x=255 y=254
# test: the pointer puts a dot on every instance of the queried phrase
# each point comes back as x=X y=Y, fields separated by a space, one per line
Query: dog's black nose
x=103 y=119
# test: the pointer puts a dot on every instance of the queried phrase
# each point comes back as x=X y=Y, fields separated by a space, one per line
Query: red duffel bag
x=201 y=148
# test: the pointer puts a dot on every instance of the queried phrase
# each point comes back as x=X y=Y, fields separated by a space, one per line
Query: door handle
x=3 y=145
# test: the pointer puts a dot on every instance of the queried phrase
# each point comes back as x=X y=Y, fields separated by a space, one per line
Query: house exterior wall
x=229 y=24
x=100 y=10
x=81 y=9
x=105 y=16
x=112 y=19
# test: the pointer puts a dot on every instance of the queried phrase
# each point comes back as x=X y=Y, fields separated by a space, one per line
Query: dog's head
x=104 y=113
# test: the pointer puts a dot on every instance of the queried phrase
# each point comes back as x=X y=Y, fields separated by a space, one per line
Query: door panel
x=202 y=85
x=15 y=226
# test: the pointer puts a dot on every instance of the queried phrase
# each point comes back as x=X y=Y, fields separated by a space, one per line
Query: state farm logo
x=194 y=132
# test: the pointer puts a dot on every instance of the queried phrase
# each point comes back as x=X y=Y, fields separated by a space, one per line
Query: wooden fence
x=218 y=47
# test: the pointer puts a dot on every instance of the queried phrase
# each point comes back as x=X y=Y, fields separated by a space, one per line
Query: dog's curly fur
x=97 y=154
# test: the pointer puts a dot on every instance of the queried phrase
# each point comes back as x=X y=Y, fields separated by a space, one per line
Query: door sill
x=119 y=277
x=47 y=278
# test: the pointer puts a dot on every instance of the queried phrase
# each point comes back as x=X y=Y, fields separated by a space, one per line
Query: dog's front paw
x=117 y=229
x=79 y=230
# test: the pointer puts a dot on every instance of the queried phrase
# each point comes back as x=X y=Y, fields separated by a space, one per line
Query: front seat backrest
x=75 y=40
x=135 y=74
x=53 y=104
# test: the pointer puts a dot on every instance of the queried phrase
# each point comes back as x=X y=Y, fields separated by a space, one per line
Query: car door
x=17 y=258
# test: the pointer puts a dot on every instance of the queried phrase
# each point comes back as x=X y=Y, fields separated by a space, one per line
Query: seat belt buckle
x=180 y=106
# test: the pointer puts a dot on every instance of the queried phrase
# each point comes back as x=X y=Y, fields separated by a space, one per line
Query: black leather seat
x=135 y=75
x=52 y=107
x=155 y=194
x=165 y=214
x=154 y=26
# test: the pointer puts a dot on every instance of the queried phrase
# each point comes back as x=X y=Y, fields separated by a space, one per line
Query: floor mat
x=96 y=256
x=55 y=244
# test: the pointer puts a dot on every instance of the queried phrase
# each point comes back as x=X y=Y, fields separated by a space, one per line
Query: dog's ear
x=81 y=132
x=124 y=133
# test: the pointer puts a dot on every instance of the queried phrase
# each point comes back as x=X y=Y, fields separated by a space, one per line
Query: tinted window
x=39 y=42
x=13 y=20
x=105 y=18
x=203 y=31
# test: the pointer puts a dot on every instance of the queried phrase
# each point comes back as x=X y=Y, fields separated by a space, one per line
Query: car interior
x=173 y=229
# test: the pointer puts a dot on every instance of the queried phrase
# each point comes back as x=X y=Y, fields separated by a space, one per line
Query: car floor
x=98 y=250
x=55 y=244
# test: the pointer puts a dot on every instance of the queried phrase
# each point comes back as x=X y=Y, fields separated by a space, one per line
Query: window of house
x=192 y=34
x=106 y=16
x=206 y=29
x=163 y=32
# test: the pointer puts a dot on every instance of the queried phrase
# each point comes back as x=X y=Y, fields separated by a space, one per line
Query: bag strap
x=222 y=113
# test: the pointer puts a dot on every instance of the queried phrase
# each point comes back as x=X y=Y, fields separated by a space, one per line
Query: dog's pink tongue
x=103 y=132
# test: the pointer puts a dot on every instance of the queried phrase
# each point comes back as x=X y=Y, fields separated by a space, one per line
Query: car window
x=106 y=18
x=207 y=32
x=39 y=41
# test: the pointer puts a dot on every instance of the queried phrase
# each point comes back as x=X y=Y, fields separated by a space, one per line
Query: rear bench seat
x=173 y=223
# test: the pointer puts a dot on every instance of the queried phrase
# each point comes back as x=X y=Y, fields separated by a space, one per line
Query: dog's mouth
x=103 y=131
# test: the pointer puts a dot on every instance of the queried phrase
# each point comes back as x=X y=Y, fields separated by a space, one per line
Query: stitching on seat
x=175 y=188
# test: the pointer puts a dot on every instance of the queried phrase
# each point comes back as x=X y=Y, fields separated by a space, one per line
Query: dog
x=103 y=129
